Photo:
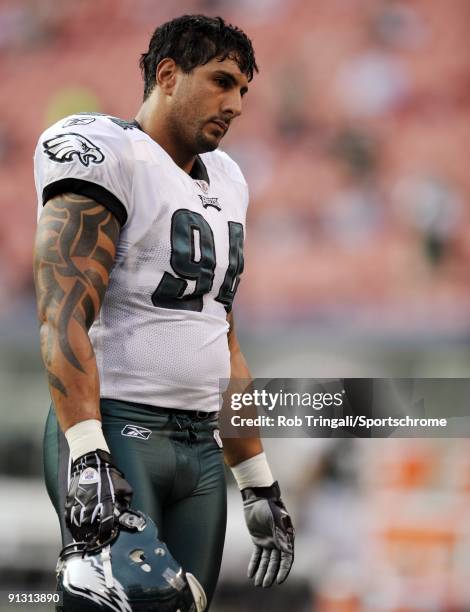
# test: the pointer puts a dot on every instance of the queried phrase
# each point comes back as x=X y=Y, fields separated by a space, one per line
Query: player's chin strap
x=105 y=558
x=197 y=591
x=131 y=520
x=83 y=547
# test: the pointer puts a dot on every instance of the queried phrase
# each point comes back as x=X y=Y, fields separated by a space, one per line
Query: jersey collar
x=199 y=171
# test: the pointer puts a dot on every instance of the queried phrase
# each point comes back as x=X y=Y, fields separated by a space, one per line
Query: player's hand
x=98 y=493
x=272 y=532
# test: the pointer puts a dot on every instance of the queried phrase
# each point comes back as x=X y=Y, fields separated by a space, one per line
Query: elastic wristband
x=85 y=437
x=253 y=472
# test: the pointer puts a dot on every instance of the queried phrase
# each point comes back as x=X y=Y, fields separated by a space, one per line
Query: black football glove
x=272 y=532
x=97 y=494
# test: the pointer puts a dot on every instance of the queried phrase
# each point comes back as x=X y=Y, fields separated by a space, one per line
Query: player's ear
x=166 y=75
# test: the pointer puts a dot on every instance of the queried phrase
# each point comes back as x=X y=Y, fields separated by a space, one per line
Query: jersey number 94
x=193 y=258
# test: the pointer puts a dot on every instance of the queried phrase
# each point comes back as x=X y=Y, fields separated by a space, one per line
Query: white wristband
x=85 y=437
x=253 y=472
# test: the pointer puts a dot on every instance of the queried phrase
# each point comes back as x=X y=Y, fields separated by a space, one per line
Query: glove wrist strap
x=85 y=437
x=272 y=492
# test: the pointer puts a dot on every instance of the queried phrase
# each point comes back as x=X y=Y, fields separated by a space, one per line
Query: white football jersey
x=161 y=335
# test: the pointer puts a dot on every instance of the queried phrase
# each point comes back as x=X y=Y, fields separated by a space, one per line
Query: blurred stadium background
x=358 y=245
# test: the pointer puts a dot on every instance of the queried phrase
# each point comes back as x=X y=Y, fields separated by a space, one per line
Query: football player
x=138 y=256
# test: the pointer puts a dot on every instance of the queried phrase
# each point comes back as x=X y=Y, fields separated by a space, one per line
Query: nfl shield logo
x=89 y=476
x=203 y=186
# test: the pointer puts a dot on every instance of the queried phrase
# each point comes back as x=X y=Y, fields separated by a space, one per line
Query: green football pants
x=175 y=466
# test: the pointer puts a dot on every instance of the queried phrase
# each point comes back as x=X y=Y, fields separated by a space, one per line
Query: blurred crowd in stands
x=352 y=140
x=383 y=525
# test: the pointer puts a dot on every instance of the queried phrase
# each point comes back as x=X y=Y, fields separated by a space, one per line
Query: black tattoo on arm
x=75 y=249
x=55 y=382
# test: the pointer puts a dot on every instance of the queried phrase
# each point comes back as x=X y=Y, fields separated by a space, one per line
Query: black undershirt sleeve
x=91 y=190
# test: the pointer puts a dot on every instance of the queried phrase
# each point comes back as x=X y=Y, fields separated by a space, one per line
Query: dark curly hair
x=193 y=40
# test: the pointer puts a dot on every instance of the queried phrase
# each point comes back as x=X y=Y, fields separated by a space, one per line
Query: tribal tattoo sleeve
x=74 y=253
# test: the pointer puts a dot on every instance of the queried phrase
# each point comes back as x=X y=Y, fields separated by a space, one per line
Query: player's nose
x=232 y=104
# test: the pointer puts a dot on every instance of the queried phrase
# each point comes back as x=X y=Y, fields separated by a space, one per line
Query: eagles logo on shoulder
x=64 y=147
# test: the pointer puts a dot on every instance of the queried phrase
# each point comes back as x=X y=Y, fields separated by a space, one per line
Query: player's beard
x=190 y=130
x=193 y=137
x=203 y=143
